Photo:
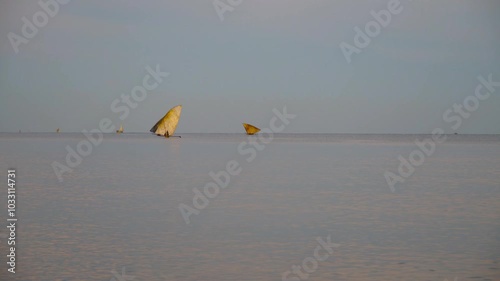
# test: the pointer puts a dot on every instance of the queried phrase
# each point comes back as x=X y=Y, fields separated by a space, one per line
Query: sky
x=262 y=55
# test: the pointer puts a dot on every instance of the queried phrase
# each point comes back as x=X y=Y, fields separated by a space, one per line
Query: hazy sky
x=264 y=54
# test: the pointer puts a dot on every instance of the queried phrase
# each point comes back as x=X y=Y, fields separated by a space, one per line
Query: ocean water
x=116 y=215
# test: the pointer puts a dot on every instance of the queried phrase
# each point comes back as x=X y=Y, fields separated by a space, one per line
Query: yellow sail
x=251 y=130
x=119 y=131
x=166 y=126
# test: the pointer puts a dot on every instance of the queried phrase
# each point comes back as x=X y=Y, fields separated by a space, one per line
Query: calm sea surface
x=116 y=215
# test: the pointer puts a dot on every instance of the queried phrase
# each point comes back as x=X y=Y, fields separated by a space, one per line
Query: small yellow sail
x=251 y=130
x=166 y=126
x=119 y=131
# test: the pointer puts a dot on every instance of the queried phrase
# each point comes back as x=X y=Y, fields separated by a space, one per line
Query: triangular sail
x=120 y=130
x=251 y=130
x=166 y=126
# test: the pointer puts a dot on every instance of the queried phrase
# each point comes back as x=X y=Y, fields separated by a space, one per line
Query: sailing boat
x=251 y=130
x=57 y=131
x=166 y=126
x=119 y=131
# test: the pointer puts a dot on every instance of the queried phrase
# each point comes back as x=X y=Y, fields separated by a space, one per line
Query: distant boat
x=166 y=126
x=251 y=130
x=119 y=131
x=57 y=131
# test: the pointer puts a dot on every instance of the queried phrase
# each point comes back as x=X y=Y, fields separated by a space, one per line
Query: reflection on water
x=119 y=208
